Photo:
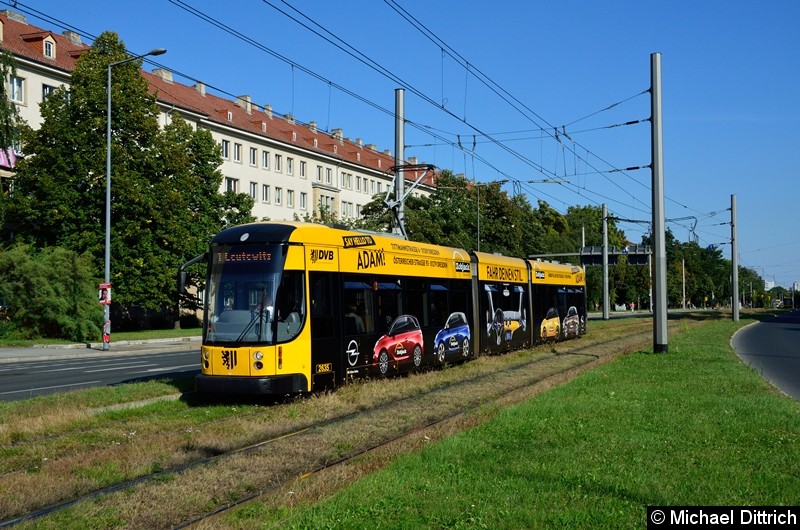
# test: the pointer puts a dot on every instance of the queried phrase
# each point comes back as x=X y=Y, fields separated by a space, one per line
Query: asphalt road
x=60 y=372
x=772 y=348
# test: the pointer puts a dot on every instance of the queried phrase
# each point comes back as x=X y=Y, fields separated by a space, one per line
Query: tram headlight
x=258 y=356
x=206 y=354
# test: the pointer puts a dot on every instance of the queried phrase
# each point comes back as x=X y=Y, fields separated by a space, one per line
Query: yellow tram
x=299 y=307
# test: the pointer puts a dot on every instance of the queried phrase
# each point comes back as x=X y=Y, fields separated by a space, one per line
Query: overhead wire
x=294 y=65
x=488 y=81
x=468 y=66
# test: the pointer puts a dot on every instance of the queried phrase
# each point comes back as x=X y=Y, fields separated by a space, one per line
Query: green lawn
x=691 y=427
x=124 y=335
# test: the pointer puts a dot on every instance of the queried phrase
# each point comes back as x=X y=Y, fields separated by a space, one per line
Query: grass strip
x=691 y=427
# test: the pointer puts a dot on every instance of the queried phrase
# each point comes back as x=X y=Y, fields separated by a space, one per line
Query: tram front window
x=250 y=298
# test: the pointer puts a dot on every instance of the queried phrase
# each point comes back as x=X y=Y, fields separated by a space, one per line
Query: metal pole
x=399 y=158
x=107 y=257
x=107 y=266
x=683 y=283
x=734 y=261
x=606 y=301
x=478 y=190
x=660 y=339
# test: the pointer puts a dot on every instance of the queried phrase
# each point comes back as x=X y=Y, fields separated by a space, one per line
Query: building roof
x=24 y=40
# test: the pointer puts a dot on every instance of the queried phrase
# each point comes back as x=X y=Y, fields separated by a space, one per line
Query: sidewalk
x=95 y=349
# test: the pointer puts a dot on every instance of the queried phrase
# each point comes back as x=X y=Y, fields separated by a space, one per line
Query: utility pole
x=606 y=301
x=399 y=160
x=734 y=261
x=660 y=339
x=683 y=283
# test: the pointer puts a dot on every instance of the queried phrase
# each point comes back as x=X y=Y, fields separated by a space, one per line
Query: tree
x=48 y=293
x=165 y=203
x=9 y=115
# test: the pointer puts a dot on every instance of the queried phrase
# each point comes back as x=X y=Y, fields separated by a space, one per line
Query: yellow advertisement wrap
x=494 y=268
x=557 y=274
x=404 y=258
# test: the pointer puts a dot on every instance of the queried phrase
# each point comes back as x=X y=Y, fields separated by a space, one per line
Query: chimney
x=313 y=126
x=289 y=117
x=201 y=88
x=412 y=160
x=166 y=75
x=338 y=134
x=268 y=111
x=73 y=37
x=372 y=147
x=244 y=102
x=387 y=152
x=359 y=142
x=13 y=15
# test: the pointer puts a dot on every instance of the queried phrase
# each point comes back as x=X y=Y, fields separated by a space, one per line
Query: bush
x=48 y=293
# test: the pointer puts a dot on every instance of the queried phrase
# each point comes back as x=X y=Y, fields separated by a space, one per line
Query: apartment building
x=289 y=168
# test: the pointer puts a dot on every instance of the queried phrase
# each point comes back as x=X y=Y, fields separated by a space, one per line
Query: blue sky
x=731 y=112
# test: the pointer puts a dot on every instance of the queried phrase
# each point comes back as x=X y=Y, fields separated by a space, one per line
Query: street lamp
x=106 y=306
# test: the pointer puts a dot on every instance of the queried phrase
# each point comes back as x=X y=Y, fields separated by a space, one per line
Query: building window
x=327 y=203
x=237 y=153
x=328 y=175
x=372 y=187
x=47 y=90
x=253 y=156
x=289 y=166
x=278 y=163
x=49 y=50
x=226 y=149
x=380 y=187
x=254 y=190
x=17 y=93
x=302 y=169
x=358 y=183
x=278 y=195
x=264 y=159
x=358 y=210
x=319 y=173
x=290 y=198
x=303 y=200
x=265 y=193
x=231 y=184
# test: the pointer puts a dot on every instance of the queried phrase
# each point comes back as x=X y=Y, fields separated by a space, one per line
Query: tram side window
x=437 y=308
x=322 y=305
x=459 y=301
x=415 y=299
x=358 y=313
x=542 y=301
x=290 y=306
x=388 y=303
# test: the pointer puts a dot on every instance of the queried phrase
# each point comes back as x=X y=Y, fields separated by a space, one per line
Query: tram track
x=305 y=449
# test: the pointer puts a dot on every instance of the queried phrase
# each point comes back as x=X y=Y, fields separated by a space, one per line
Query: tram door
x=326 y=368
